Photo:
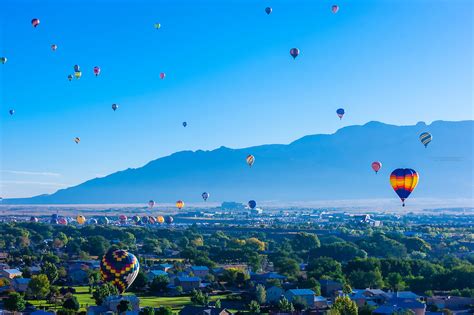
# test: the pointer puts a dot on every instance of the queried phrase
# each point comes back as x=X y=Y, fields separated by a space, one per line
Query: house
x=304 y=295
x=3 y=256
x=274 y=294
x=10 y=273
x=373 y=297
x=450 y=302
x=20 y=284
x=4 y=266
x=35 y=270
x=262 y=278
x=77 y=274
x=398 y=306
x=164 y=267
x=200 y=271
x=152 y=274
x=188 y=283
x=405 y=295
x=203 y=310
x=320 y=302
x=328 y=287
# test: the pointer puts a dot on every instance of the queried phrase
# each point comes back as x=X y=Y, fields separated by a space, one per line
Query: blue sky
x=229 y=75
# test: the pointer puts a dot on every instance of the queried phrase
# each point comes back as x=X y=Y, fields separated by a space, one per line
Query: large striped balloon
x=119 y=268
x=404 y=181
x=426 y=138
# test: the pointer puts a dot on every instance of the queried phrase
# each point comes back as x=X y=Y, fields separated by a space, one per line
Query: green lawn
x=85 y=299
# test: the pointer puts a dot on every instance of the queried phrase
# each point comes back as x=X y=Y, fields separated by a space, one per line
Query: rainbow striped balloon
x=120 y=268
x=250 y=160
x=404 y=181
x=426 y=138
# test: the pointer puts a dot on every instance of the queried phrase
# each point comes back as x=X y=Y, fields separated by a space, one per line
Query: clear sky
x=228 y=74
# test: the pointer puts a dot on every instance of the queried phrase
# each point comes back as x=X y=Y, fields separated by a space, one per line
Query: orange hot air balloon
x=404 y=181
x=179 y=204
x=250 y=160
x=160 y=219
x=376 y=166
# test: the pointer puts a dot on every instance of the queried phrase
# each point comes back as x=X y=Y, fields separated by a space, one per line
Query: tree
x=287 y=266
x=103 y=291
x=71 y=303
x=140 y=282
x=299 y=303
x=261 y=294
x=164 y=310
x=254 y=307
x=345 y=306
x=347 y=289
x=14 y=302
x=285 y=305
x=159 y=283
x=51 y=271
x=148 y=310
x=366 y=309
x=305 y=242
x=123 y=306
x=218 y=304
x=325 y=266
x=395 y=281
x=199 y=298
x=362 y=279
x=96 y=245
x=93 y=277
x=39 y=286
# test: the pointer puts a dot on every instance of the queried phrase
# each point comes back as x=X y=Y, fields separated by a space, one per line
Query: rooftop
x=301 y=292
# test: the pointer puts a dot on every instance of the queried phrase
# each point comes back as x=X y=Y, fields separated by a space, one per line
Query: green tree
x=366 y=309
x=39 y=286
x=261 y=294
x=254 y=307
x=103 y=291
x=346 y=289
x=285 y=305
x=300 y=303
x=148 y=310
x=199 y=298
x=362 y=279
x=15 y=302
x=218 y=303
x=71 y=303
x=51 y=271
x=164 y=310
x=96 y=245
x=395 y=281
x=305 y=241
x=345 y=306
x=140 y=282
x=159 y=283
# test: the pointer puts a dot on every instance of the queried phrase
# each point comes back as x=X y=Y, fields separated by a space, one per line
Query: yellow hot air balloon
x=160 y=219
x=78 y=74
x=81 y=219
x=179 y=204
x=157 y=26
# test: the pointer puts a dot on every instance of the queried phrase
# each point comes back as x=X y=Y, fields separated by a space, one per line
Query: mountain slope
x=312 y=168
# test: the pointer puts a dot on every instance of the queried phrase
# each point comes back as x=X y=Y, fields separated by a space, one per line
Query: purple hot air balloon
x=294 y=52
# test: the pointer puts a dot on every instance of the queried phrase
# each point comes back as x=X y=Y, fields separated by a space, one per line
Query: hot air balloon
x=169 y=219
x=92 y=221
x=252 y=204
x=151 y=204
x=62 y=221
x=78 y=74
x=160 y=219
x=162 y=75
x=144 y=220
x=35 y=22
x=123 y=218
x=294 y=52
x=185 y=124
x=335 y=8
x=11 y=111
x=151 y=220
x=96 y=71
x=426 y=138
x=179 y=204
x=77 y=68
x=69 y=77
x=77 y=140
x=120 y=268
x=3 y=60
x=103 y=220
x=268 y=10
x=404 y=181
x=340 y=112
x=205 y=195
x=54 y=47
x=376 y=166
x=157 y=26
x=114 y=107
x=34 y=219
x=53 y=221
x=81 y=219
x=136 y=219
x=250 y=160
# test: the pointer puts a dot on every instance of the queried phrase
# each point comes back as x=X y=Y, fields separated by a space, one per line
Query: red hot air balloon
x=335 y=8
x=376 y=166
x=35 y=22
x=162 y=75
x=294 y=52
x=404 y=181
x=96 y=71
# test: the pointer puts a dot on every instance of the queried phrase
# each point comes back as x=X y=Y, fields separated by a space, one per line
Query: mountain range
x=315 y=167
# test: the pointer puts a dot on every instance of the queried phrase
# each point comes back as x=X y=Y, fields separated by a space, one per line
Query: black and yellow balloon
x=120 y=268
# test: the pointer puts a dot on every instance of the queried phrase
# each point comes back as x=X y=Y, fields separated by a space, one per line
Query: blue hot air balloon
x=252 y=204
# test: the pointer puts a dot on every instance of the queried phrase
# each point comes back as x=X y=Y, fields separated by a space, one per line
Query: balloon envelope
x=162 y=75
x=34 y=219
x=268 y=10
x=250 y=160
x=294 y=52
x=179 y=204
x=114 y=107
x=160 y=219
x=404 y=181
x=77 y=140
x=77 y=68
x=151 y=203
x=157 y=25
x=185 y=124
x=205 y=195
x=426 y=138
x=78 y=74
x=54 y=47
x=35 y=22
x=169 y=219
x=120 y=268
x=335 y=8
x=340 y=112
x=376 y=166
x=123 y=218
x=3 y=60
x=252 y=204
x=81 y=219
x=96 y=70
x=11 y=111
x=70 y=77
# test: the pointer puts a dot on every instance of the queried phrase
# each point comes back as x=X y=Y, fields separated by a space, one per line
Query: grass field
x=85 y=299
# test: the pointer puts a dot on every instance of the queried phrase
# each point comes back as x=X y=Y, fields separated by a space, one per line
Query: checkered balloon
x=119 y=268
